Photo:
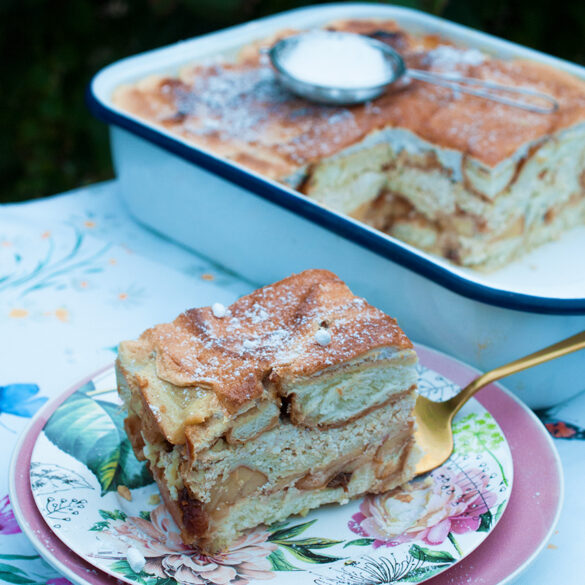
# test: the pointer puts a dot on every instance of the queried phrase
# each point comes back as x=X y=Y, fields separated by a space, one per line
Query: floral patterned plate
x=79 y=457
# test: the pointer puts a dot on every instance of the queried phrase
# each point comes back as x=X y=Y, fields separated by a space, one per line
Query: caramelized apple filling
x=241 y=483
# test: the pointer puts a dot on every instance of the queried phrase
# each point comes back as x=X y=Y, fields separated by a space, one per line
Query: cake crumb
x=218 y=310
x=124 y=492
x=135 y=559
x=154 y=500
x=207 y=276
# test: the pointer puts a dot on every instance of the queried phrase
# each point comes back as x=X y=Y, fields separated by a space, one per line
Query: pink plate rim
x=516 y=541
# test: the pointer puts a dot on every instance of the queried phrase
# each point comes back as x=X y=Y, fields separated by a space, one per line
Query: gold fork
x=434 y=434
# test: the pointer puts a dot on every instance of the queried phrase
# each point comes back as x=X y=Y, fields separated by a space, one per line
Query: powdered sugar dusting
x=448 y=58
x=225 y=100
x=247 y=104
x=238 y=109
x=293 y=328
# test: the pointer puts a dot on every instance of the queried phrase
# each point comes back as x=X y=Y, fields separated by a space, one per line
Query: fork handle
x=569 y=345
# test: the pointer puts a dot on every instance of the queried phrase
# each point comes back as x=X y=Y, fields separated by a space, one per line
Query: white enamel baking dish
x=265 y=231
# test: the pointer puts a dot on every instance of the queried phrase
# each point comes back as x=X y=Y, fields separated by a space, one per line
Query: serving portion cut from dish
x=297 y=395
x=468 y=179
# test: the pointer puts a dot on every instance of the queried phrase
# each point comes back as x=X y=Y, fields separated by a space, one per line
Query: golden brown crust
x=238 y=110
x=270 y=334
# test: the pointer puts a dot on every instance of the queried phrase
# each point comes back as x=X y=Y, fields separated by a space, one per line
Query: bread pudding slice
x=297 y=395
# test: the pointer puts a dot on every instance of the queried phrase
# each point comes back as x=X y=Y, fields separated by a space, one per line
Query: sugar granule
x=218 y=310
x=323 y=337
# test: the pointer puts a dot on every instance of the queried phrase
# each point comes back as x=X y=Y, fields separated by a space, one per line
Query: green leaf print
x=278 y=525
x=486 y=522
x=304 y=553
x=359 y=542
x=474 y=430
x=92 y=431
x=455 y=544
x=428 y=555
x=285 y=533
x=12 y=574
x=422 y=573
x=107 y=516
x=143 y=578
x=131 y=472
x=478 y=432
x=145 y=515
x=317 y=542
x=115 y=515
x=124 y=569
x=279 y=562
x=500 y=510
x=302 y=548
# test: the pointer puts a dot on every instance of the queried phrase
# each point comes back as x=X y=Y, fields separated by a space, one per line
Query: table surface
x=77 y=275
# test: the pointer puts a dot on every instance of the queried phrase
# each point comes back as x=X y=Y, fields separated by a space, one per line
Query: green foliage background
x=51 y=48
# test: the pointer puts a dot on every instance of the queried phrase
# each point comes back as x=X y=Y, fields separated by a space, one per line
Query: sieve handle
x=489 y=90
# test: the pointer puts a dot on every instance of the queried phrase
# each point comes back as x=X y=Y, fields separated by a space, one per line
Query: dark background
x=51 y=48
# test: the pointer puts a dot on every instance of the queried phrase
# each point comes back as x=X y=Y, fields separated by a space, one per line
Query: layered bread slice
x=297 y=395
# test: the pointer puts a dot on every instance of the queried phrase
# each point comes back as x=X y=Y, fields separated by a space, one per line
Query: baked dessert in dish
x=297 y=395
x=474 y=181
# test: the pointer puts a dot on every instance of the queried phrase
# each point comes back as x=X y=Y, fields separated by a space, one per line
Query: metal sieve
x=526 y=99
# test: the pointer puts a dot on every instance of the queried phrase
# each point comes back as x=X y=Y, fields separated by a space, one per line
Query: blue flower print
x=17 y=399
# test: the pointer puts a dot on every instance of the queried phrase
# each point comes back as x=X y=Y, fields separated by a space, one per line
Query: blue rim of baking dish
x=378 y=243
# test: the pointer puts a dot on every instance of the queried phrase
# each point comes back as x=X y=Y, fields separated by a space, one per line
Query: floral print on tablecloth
x=562 y=422
x=20 y=401
x=77 y=276
x=8 y=523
